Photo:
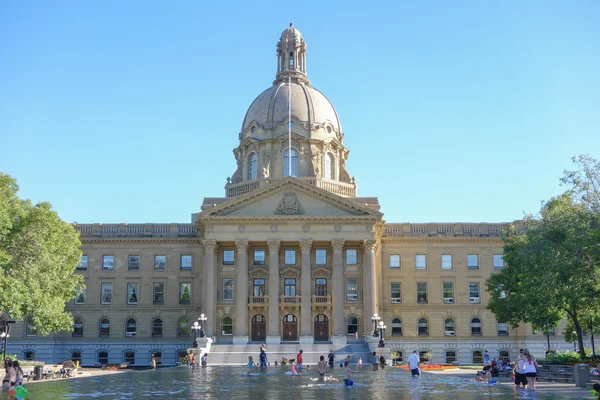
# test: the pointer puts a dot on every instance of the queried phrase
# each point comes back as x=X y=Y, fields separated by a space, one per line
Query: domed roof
x=309 y=106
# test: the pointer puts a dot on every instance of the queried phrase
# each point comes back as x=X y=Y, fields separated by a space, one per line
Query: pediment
x=289 y=271
x=259 y=272
x=321 y=271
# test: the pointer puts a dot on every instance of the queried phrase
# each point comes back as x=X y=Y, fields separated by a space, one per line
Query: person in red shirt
x=299 y=361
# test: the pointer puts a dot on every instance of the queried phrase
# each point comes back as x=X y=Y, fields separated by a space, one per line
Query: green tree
x=38 y=256
x=584 y=181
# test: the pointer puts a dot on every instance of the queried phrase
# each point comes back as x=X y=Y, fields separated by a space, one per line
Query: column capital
x=306 y=245
x=369 y=245
x=338 y=245
x=242 y=245
x=209 y=245
x=274 y=245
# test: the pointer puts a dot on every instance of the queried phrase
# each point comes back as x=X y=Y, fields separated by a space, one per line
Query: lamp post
x=381 y=328
x=4 y=336
x=202 y=321
x=375 y=320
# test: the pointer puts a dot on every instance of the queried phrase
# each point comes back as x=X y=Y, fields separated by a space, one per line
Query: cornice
x=84 y=240
x=441 y=239
x=210 y=220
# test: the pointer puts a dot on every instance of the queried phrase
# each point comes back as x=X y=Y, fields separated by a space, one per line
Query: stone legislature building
x=290 y=254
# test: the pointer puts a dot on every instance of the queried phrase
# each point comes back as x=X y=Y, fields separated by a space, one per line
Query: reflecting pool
x=233 y=382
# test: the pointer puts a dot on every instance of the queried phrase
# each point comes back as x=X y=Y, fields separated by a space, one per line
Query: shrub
x=566 y=358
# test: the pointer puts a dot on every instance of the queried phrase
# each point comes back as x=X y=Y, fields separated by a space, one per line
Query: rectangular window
x=421 y=261
x=106 y=293
x=321 y=256
x=448 y=292
x=421 y=292
x=394 y=261
x=160 y=262
x=80 y=298
x=474 y=293
x=289 y=257
x=186 y=262
x=227 y=289
x=259 y=287
x=289 y=289
x=351 y=257
x=447 y=261
x=108 y=262
x=158 y=293
x=259 y=257
x=352 y=289
x=498 y=261
x=185 y=293
x=395 y=294
x=473 y=261
x=133 y=262
x=133 y=293
x=82 y=262
x=502 y=329
x=228 y=257
x=320 y=287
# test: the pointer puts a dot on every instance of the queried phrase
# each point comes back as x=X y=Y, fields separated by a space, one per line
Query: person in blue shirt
x=263 y=359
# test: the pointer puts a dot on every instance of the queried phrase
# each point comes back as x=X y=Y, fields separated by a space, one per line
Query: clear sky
x=128 y=111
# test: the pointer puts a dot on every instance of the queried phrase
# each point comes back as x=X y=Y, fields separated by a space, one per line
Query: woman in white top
x=530 y=369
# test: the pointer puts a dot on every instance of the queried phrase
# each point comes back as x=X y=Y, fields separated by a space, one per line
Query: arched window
x=477 y=357
x=424 y=356
x=450 y=356
x=449 y=329
x=102 y=357
x=227 y=326
x=286 y=163
x=77 y=327
x=157 y=327
x=475 y=327
x=30 y=329
x=329 y=166
x=184 y=327
x=252 y=167
x=352 y=326
x=76 y=356
x=104 y=328
x=396 y=327
x=423 y=327
x=129 y=357
x=130 y=328
x=157 y=355
x=291 y=60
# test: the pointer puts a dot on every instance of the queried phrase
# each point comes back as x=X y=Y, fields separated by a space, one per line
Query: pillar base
x=307 y=340
x=240 y=340
x=339 y=339
x=273 y=339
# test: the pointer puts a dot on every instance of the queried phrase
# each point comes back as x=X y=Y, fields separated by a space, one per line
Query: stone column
x=208 y=308
x=306 y=299
x=273 y=323
x=369 y=284
x=241 y=293
x=338 y=295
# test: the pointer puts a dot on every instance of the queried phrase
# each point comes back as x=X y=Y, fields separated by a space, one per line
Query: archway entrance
x=321 y=328
x=259 y=328
x=290 y=328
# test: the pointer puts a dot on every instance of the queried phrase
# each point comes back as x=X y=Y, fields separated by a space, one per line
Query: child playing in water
x=359 y=362
x=250 y=364
x=322 y=367
x=293 y=368
x=347 y=372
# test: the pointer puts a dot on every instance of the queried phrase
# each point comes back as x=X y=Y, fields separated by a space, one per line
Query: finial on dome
x=291 y=24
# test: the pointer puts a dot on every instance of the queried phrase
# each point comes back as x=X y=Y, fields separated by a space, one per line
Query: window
x=185 y=293
x=259 y=257
x=352 y=289
x=473 y=261
x=320 y=287
x=395 y=294
x=130 y=328
x=474 y=293
x=158 y=295
x=77 y=327
x=351 y=257
x=186 y=262
x=448 y=292
x=157 y=327
x=227 y=326
x=133 y=262
x=183 y=327
x=424 y=356
x=396 y=327
x=83 y=261
x=397 y=357
x=291 y=60
x=76 y=357
x=477 y=357
x=129 y=357
x=252 y=167
x=449 y=329
x=133 y=290
x=228 y=257
x=498 y=261
x=104 y=328
x=475 y=327
x=29 y=355
x=160 y=262
x=501 y=292
x=352 y=326
x=108 y=262
x=423 y=327
x=102 y=357
x=394 y=261
x=321 y=256
x=502 y=329
x=422 y=293
x=157 y=355
x=106 y=293
x=286 y=163
x=447 y=261
x=80 y=298
x=228 y=289
x=450 y=356
x=329 y=166
x=289 y=257
x=289 y=289
x=258 y=289
x=181 y=356
x=421 y=261
x=504 y=355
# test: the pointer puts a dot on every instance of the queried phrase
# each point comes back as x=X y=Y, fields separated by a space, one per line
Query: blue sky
x=453 y=111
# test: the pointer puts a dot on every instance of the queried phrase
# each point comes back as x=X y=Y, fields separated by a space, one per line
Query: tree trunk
x=579 y=337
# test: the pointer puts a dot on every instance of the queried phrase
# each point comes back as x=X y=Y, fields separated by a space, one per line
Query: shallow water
x=234 y=383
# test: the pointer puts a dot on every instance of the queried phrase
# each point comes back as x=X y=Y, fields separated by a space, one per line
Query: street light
x=4 y=336
x=382 y=328
x=197 y=328
x=202 y=320
x=375 y=320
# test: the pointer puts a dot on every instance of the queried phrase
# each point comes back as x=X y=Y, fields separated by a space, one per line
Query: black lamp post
x=197 y=328
x=202 y=321
x=381 y=328
x=375 y=319
x=5 y=335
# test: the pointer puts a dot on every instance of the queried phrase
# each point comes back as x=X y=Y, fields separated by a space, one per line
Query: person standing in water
x=153 y=363
x=347 y=372
x=322 y=367
x=331 y=358
x=413 y=364
x=375 y=361
x=299 y=360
